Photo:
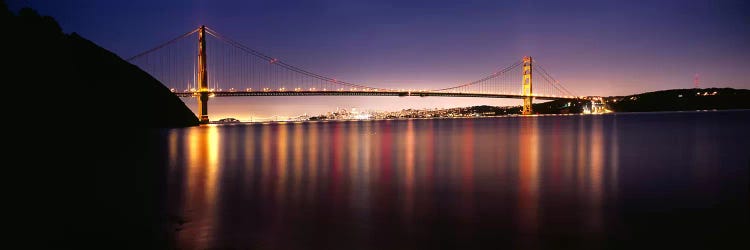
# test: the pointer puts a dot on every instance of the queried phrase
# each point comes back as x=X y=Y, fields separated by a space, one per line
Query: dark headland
x=657 y=101
x=681 y=100
x=86 y=78
x=663 y=100
x=87 y=122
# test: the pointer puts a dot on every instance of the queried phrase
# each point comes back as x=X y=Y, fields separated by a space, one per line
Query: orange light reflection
x=528 y=195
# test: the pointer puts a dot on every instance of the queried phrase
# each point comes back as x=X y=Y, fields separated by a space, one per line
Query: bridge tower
x=526 y=81
x=203 y=90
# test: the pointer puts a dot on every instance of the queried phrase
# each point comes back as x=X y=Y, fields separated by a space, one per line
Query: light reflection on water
x=519 y=182
x=528 y=168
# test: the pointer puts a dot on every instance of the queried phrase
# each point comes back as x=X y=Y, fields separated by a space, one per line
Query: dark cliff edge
x=88 y=125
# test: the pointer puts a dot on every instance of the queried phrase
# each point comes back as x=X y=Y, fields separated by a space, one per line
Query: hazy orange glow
x=528 y=175
x=281 y=163
x=409 y=178
x=467 y=170
x=203 y=172
x=596 y=174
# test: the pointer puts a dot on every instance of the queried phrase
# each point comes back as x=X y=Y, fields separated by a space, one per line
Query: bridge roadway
x=368 y=93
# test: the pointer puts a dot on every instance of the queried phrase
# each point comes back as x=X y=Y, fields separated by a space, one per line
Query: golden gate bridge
x=232 y=69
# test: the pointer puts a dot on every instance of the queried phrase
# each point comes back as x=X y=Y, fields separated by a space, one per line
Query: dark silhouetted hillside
x=88 y=121
x=682 y=100
x=89 y=82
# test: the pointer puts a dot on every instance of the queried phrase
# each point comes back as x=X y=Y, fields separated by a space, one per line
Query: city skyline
x=594 y=48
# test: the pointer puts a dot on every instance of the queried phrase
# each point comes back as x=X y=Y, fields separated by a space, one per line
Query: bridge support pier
x=528 y=99
x=527 y=102
x=203 y=106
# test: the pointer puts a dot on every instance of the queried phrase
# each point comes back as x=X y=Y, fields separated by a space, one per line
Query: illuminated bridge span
x=232 y=69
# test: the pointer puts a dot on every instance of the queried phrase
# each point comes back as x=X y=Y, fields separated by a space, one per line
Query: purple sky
x=592 y=47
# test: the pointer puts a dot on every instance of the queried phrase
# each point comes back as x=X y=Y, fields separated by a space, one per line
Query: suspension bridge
x=232 y=69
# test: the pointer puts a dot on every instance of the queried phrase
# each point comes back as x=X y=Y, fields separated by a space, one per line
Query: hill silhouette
x=682 y=100
x=75 y=71
x=88 y=124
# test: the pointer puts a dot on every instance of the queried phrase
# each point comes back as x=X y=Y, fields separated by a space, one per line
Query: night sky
x=592 y=47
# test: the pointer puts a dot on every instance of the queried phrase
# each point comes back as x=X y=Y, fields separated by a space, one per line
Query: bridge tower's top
x=202 y=72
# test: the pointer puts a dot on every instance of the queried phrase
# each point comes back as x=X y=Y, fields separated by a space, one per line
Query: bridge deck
x=370 y=93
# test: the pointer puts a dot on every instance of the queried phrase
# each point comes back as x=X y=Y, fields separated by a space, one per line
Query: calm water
x=531 y=182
